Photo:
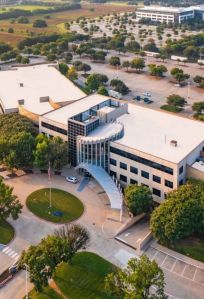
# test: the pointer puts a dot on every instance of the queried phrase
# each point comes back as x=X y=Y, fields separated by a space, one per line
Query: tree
x=68 y=57
x=114 y=61
x=95 y=80
x=141 y=278
x=199 y=80
x=176 y=100
x=180 y=215
x=75 y=235
x=10 y=30
x=126 y=64
x=138 y=199
x=133 y=46
x=137 y=63
x=157 y=70
x=43 y=258
x=63 y=68
x=191 y=52
x=21 y=147
x=23 y=20
x=53 y=151
x=58 y=152
x=198 y=107
x=102 y=90
x=25 y=60
x=10 y=206
x=119 y=86
x=39 y=24
x=86 y=67
x=179 y=75
x=72 y=73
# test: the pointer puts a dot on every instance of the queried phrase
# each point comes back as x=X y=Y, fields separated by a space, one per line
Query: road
x=97 y=218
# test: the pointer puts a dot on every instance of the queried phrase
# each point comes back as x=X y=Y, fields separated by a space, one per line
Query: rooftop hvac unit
x=21 y=102
x=21 y=84
x=174 y=143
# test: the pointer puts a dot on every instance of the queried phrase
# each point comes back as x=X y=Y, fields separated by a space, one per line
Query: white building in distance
x=170 y=14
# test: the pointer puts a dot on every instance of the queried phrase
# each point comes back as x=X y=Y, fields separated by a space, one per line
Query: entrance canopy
x=106 y=182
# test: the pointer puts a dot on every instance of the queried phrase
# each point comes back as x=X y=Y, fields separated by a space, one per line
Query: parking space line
x=194 y=274
x=154 y=254
x=183 y=270
x=173 y=266
x=164 y=260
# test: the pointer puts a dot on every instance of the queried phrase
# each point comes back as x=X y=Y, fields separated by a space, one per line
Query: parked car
x=72 y=179
x=147 y=94
x=137 y=98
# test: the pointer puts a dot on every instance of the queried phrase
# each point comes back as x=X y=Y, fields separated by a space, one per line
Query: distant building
x=170 y=14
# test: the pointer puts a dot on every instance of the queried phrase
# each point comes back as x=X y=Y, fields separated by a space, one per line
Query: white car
x=72 y=179
x=147 y=94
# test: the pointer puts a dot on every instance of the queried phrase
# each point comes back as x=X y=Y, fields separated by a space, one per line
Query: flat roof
x=167 y=9
x=151 y=131
x=62 y=114
x=32 y=82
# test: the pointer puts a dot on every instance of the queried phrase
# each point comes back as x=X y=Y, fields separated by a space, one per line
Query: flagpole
x=49 y=175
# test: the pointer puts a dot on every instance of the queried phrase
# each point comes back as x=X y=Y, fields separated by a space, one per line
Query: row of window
x=144 y=174
x=141 y=160
x=53 y=128
x=123 y=178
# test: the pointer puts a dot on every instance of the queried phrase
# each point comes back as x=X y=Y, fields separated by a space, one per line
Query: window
x=123 y=165
x=157 y=179
x=181 y=170
x=123 y=178
x=145 y=174
x=156 y=192
x=169 y=184
x=113 y=162
x=141 y=160
x=113 y=173
x=133 y=170
x=133 y=182
x=53 y=128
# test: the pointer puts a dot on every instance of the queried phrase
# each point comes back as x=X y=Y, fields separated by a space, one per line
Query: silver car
x=72 y=179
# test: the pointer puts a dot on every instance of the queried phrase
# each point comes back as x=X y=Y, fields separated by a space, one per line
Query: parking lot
x=177 y=266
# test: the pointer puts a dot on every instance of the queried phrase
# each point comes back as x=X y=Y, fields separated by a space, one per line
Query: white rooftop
x=199 y=166
x=37 y=81
x=150 y=131
x=63 y=114
x=167 y=9
x=104 y=131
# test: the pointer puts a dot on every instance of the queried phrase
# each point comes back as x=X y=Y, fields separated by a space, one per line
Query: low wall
x=129 y=223
x=145 y=241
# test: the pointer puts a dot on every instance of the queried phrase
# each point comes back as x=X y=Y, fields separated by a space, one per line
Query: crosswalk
x=10 y=252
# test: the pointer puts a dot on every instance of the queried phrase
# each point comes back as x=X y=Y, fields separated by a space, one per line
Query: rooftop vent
x=21 y=102
x=174 y=143
x=21 y=84
x=44 y=99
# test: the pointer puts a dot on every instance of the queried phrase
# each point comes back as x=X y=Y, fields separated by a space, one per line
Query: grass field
x=70 y=206
x=83 y=279
x=6 y=232
x=56 y=20
x=192 y=247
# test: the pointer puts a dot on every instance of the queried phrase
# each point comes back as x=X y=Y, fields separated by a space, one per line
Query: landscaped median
x=65 y=207
x=6 y=232
x=82 y=279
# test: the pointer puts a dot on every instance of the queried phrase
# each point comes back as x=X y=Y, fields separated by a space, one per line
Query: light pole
x=188 y=90
x=26 y=286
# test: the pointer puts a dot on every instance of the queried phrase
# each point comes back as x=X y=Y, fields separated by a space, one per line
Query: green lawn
x=192 y=247
x=84 y=278
x=6 y=232
x=47 y=293
x=70 y=206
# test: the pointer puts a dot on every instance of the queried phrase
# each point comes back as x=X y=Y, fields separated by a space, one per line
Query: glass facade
x=53 y=128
